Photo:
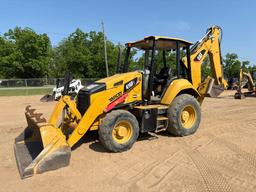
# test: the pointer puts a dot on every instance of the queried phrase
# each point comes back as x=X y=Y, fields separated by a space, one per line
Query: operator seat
x=162 y=77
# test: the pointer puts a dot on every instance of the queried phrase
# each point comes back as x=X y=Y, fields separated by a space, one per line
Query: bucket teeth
x=40 y=147
x=36 y=117
x=33 y=118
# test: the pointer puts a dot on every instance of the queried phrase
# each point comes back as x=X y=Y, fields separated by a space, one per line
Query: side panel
x=175 y=88
x=104 y=101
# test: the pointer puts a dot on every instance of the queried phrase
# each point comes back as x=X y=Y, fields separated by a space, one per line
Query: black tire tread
x=106 y=127
x=174 y=126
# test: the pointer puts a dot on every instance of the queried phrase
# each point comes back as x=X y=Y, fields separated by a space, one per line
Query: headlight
x=89 y=87
x=95 y=87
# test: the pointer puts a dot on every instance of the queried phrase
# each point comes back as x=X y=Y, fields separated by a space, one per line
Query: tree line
x=27 y=54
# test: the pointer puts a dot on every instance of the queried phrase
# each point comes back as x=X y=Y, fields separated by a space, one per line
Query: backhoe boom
x=208 y=45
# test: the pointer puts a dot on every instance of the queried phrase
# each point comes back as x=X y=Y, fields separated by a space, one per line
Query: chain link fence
x=37 y=82
x=37 y=86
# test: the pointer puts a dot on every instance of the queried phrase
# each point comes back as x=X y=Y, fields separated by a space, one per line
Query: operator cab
x=160 y=63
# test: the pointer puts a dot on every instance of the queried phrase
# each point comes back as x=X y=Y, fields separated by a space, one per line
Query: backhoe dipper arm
x=209 y=44
x=249 y=79
x=251 y=86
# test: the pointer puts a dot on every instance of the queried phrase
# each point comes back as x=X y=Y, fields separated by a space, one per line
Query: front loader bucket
x=41 y=147
x=47 y=98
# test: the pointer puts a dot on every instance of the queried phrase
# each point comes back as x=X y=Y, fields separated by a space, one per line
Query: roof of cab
x=162 y=43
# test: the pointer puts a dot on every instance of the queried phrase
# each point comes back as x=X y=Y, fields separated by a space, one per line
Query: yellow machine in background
x=250 y=85
x=126 y=104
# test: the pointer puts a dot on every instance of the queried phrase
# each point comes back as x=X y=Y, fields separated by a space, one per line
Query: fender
x=175 y=87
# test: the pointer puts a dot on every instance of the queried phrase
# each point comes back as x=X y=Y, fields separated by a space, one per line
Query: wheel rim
x=188 y=116
x=122 y=132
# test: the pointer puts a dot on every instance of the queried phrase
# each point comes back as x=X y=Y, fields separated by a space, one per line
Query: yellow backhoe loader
x=250 y=85
x=126 y=104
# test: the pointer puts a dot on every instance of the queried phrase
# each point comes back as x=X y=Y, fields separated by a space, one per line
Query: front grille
x=83 y=101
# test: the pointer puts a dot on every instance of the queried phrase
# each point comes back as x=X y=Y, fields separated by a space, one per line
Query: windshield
x=141 y=59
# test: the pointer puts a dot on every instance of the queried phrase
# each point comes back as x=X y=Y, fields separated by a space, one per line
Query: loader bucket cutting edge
x=39 y=149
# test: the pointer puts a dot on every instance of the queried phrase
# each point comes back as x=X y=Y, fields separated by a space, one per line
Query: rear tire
x=118 y=131
x=184 y=115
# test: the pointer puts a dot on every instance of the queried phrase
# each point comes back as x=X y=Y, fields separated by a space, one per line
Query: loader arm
x=208 y=45
x=95 y=109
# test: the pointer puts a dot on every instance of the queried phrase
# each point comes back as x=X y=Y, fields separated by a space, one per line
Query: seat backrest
x=164 y=72
x=167 y=85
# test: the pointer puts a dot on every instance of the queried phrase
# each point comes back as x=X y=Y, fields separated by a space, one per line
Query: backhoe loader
x=125 y=104
x=250 y=85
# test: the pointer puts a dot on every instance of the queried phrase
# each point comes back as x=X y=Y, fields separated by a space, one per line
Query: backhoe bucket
x=47 y=98
x=209 y=89
x=239 y=95
x=41 y=147
x=215 y=90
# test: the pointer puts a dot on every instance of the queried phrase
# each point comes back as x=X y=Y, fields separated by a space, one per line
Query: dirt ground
x=221 y=156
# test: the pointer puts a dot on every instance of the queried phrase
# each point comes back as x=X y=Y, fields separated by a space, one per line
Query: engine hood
x=119 y=79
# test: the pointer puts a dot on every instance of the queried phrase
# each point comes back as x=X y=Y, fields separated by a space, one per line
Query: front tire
x=184 y=115
x=118 y=131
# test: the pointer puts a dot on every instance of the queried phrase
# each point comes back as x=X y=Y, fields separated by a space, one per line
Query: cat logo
x=200 y=56
x=130 y=84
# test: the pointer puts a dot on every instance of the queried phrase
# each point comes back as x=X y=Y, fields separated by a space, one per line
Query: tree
x=245 y=64
x=83 y=54
x=96 y=47
x=9 y=66
x=24 y=54
x=232 y=65
x=206 y=68
x=72 y=54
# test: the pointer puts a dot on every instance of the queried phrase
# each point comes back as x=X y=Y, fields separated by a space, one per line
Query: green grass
x=25 y=91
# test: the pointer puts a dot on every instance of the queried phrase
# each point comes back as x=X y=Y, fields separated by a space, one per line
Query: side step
x=162 y=119
x=162 y=123
x=158 y=106
x=162 y=109
x=152 y=118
